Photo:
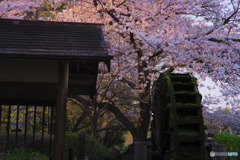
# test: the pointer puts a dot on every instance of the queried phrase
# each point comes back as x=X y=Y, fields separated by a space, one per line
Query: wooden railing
x=20 y=124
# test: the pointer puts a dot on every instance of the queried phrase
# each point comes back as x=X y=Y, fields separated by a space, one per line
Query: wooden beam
x=1 y=132
x=28 y=70
x=28 y=85
x=82 y=79
x=34 y=123
x=51 y=128
x=25 y=128
x=31 y=92
x=28 y=102
x=16 y=131
x=75 y=89
x=8 y=127
x=0 y=119
x=60 y=126
x=43 y=119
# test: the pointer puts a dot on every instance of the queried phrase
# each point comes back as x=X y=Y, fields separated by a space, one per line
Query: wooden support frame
x=0 y=119
x=1 y=132
x=60 y=125
x=16 y=131
x=43 y=124
x=51 y=129
x=47 y=122
x=26 y=125
x=34 y=123
x=40 y=77
x=8 y=127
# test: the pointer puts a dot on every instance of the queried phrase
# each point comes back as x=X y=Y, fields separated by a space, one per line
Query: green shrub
x=22 y=154
x=94 y=150
x=113 y=137
x=71 y=141
x=231 y=143
x=122 y=148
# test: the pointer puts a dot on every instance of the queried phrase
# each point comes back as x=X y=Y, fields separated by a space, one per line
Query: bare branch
x=131 y=84
x=121 y=3
x=228 y=19
x=155 y=54
x=221 y=41
x=105 y=93
x=5 y=12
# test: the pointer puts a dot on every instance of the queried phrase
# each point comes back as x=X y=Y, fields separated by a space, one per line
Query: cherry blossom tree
x=223 y=119
x=149 y=37
x=31 y=9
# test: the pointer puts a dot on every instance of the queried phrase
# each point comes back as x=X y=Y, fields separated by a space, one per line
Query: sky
x=210 y=91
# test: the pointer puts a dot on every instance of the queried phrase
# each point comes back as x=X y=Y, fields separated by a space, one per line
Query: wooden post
x=25 y=129
x=1 y=132
x=47 y=124
x=60 y=125
x=51 y=128
x=16 y=131
x=43 y=117
x=34 y=123
x=0 y=119
x=8 y=126
x=139 y=147
x=1 y=123
x=70 y=157
x=81 y=146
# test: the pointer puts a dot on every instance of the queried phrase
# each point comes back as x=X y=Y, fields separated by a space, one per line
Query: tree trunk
x=139 y=149
x=119 y=115
x=94 y=127
x=140 y=135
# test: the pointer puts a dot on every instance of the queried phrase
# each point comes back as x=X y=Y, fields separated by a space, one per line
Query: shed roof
x=47 y=39
x=84 y=45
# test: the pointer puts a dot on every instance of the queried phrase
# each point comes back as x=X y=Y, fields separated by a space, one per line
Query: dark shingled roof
x=83 y=45
x=46 y=39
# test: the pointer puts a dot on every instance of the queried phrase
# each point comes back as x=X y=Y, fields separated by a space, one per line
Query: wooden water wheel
x=177 y=122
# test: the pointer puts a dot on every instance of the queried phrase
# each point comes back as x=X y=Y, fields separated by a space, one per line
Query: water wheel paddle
x=177 y=122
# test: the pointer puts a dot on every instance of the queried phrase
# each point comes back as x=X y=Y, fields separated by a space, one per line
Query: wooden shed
x=43 y=62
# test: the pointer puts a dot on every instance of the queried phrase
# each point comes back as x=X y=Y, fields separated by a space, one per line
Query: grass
x=30 y=146
x=94 y=150
x=23 y=154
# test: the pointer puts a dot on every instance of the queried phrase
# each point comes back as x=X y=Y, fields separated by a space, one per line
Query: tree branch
x=105 y=93
x=155 y=54
x=121 y=3
x=80 y=119
x=108 y=128
x=119 y=115
x=84 y=103
x=83 y=127
x=228 y=19
x=131 y=84
x=225 y=22
x=221 y=41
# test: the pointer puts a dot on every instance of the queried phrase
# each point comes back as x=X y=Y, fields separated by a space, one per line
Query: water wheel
x=177 y=122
